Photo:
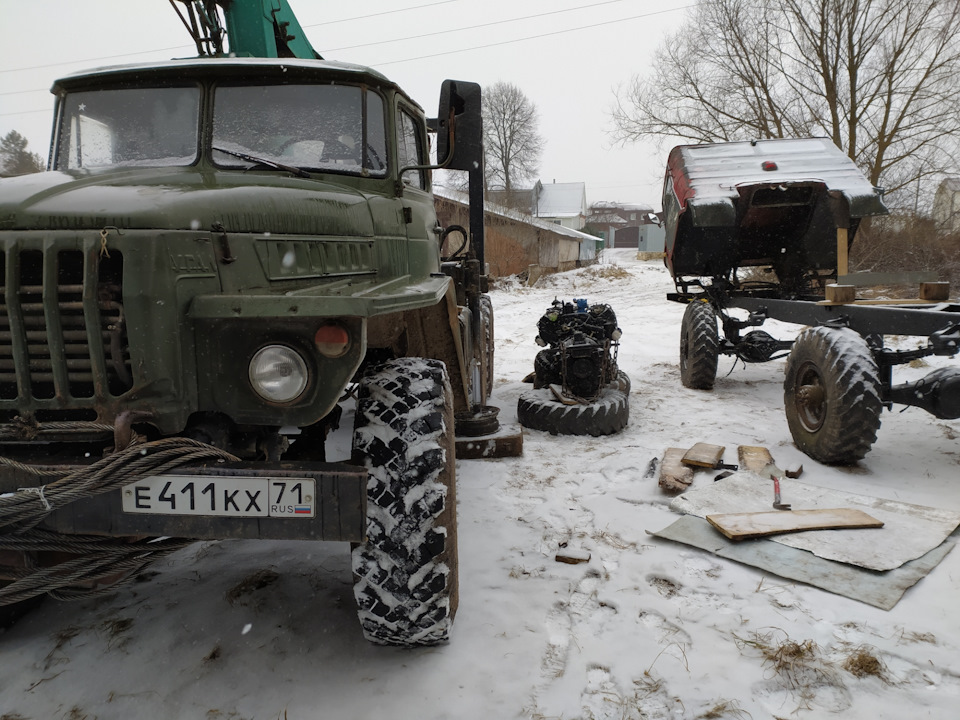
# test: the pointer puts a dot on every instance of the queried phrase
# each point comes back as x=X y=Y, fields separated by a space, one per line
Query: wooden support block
x=843 y=246
x=703 y=455
x=841 y=294
x=935 y=291
x=674 y=475
x=506 y=442
x=753 y=458
x=740 y=526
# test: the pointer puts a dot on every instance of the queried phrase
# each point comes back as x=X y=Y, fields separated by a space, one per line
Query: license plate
x=222 y=496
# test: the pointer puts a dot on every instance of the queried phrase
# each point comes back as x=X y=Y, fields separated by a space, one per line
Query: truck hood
x=183 y=199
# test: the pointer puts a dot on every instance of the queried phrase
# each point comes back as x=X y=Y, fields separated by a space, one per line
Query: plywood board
x=739 y=526
x=674 y=475
x=704 y=455
x=754 y=458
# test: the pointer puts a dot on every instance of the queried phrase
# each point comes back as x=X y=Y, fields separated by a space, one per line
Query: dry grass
x=606 y=272
x=799 y=666
x=724 y=709
x=863 y=663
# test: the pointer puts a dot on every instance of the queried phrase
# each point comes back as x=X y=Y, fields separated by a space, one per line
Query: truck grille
x=62 y=329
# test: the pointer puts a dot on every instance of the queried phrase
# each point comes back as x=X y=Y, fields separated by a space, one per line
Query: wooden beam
x=866 y=279
x=842 y=263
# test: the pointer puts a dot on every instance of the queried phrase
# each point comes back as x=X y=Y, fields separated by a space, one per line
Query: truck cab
x=222 y=248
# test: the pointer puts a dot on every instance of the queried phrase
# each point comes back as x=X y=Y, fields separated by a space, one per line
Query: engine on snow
x=581 y=343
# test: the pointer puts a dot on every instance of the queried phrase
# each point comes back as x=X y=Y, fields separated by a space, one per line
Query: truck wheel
x=699 y=346
x=540 y=410
x=405 y=573
x=831 y=394
x=486 y=313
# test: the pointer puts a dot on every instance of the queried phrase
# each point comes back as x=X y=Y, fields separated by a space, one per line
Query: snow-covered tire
x=486 y=313
x=406 y=582
x=831 y=395
x=699 y=346
x=621 y=382
x=540 y=410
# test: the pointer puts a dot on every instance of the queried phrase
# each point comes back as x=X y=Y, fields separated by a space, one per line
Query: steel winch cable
x=97 y=557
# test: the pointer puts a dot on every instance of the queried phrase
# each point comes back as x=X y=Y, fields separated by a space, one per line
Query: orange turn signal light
x=332 y=341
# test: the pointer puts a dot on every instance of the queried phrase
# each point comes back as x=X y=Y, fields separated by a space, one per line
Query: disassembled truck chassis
x=790 y=209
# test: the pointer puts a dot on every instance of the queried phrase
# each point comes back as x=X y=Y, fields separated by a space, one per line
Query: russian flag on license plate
x=301 y=510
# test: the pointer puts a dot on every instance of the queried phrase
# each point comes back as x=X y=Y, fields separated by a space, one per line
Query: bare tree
x=511 y=144
x=881 y=78
x=15 y=159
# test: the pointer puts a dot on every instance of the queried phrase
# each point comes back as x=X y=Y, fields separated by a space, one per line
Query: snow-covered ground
x=646 y=629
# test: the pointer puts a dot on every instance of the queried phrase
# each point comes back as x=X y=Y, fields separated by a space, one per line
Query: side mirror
x=460 y=126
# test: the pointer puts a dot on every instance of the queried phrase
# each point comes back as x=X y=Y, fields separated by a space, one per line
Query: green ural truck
x=223 y=249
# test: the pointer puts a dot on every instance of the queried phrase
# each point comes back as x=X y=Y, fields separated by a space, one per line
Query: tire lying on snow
x=406 y=582
x=540 y=410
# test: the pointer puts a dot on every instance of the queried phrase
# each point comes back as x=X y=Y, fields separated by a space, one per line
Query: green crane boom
x=245 y=28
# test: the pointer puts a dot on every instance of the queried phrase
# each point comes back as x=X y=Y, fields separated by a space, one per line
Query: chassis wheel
x=831 y=394
x=540 y=410
x=406 y=583
x=699 y=346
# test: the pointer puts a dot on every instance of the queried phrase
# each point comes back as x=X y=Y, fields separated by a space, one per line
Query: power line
x=185 y=45
x=476 y=27
x=385 y=12
x=531 y=37
x=88 y=60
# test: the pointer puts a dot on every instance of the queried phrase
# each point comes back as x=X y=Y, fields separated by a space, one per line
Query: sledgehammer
x=773 y=472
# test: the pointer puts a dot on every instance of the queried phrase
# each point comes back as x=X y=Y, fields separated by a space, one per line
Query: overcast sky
x=568 y=56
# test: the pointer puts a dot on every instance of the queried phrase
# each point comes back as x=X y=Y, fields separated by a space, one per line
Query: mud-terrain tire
x=540 y=410
x=831 y=395
x=486 y=314
x=699 y=346
x=405 y=574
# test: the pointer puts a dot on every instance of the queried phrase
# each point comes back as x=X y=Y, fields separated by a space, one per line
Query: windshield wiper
x=299 y=172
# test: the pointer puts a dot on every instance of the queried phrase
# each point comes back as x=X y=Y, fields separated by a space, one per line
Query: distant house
x=516 y=241
x=560 y=203
x=946 y=205
x=626 y=225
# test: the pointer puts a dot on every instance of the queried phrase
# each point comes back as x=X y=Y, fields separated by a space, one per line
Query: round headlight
x=278 y=373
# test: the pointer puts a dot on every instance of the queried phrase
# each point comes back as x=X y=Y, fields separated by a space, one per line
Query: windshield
x=129 y=127
x=333 y=128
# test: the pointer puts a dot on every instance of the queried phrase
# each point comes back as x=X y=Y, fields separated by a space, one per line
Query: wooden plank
x=674 y=475
x=842 y=248
x=753 y=458
x=904 y=301
x=866 y=279
x=703 y=455
x=739 y=526
x=506 y=442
